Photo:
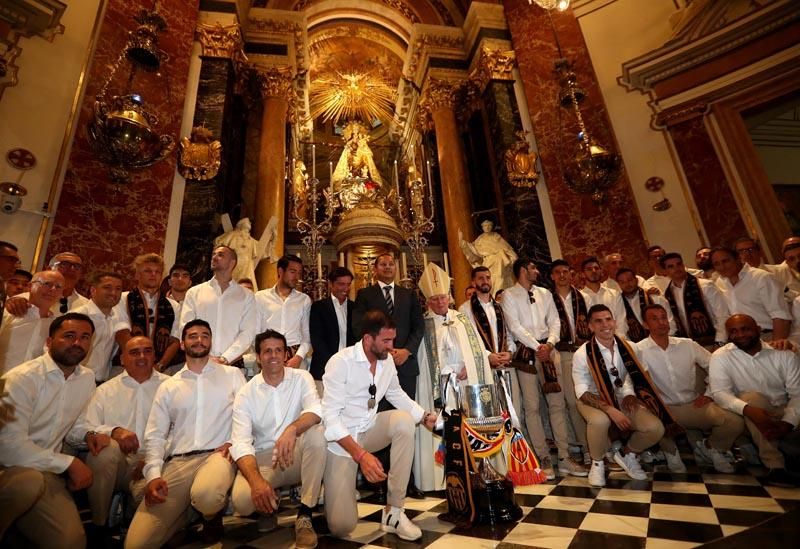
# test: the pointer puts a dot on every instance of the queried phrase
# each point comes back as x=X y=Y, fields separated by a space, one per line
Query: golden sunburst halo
x=351 y=95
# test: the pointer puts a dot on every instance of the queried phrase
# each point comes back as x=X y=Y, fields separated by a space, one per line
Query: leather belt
x=188 y=454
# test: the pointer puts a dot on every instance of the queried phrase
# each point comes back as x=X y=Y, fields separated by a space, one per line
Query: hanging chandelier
x=123 y=131
x=560 y=5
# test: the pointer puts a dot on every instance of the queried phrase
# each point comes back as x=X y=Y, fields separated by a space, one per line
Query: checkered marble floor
x=667 y=510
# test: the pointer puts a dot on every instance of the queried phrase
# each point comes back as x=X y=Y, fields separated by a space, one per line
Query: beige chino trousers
x=568 y=386
x=646 y=429
x=112 y=470
x=724 y=425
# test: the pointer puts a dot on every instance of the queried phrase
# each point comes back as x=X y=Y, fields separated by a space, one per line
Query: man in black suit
x=330 y=323
x=403 y=307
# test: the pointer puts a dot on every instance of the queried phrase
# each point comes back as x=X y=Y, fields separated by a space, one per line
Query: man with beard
x=702 y=258
x=283 y=309
x=356 y=379
x=102 y=309
x=147 y=311
x=228 y=308
x=22 y=337
x=277 y=440
x=761 y=384
x=70 y=266
x=635 y=299
x=753 y=292
x=330 y=323
x=187 y=441
x=115 y=420
x=594 y=293
x=18 y=283
x=49 y=394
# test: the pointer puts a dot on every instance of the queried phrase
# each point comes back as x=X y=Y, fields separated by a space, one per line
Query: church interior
x=344 y=129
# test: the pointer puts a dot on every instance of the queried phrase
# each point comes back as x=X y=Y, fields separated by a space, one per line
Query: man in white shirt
x=753 y=292
x=70 y=265
x=749 y=251
x=595 y=293
x=659 y=281
x=635 y=299
x=787 y=272
x=356 y=379
x=702 y=259
x=753 y=380
x=49 y=394
x=330 y=323
x=613 y=401
x=536 y=328
x=187 y=441
x=116 y=417
x=18 y=283
x=106 y=289
x=227 y=307
x=283 y=309
x=277 y=440
x=698 y=308
x=613 y=263
x=180 y=280
x=22 y=337
x=146 y=310
x=671 y=363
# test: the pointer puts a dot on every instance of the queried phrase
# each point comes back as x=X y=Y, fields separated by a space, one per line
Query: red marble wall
x=106 y=223
x=583 y=228
x=710 y=189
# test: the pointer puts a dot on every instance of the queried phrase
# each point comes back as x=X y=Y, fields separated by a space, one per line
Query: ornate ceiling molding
x=397 y=5
x=493 y=65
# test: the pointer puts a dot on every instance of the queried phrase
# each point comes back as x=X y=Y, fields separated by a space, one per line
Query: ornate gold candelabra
x=415 y=223
x=313 y=228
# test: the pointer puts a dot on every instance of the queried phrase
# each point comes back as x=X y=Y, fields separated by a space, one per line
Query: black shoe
x=413 y=492
x=780 y=477
x=379 y=493
x=212 y=530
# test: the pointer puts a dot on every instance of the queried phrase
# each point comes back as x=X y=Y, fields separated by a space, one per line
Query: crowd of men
x=187 y=400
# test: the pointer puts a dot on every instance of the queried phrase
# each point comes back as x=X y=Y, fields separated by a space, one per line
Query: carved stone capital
x=493 y=65
x=440 y=94
x=219 y=41
x=274 y=82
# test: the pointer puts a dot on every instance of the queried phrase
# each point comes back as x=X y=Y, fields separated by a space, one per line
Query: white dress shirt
x=582 y=376
x=636 y=307
x=104 y=344
x=611 y=299
x=22 y=338
x=775 y=374
x=190 y=412
x=529 y=322
x=611 y=284
x=122 y=402
x=491 y=316
x=341 y=318
x=231 y=315
x=46 y=408
x=287 y=316
x=673 y=369
x=757 y=294
x=788 y=279
x=74 y=300
x=261 y=412
x=344 y=401
x=657 y=281
x=151 y=302
x=795 y=335
x=716 y=306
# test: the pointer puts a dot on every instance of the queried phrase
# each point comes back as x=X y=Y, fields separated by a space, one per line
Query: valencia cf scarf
x=700 y=328
x=582 y=332
x=485 y=329
x=142 y=319
x=636 y=332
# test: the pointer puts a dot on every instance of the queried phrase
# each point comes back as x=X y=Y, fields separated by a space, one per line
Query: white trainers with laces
x=630 y=465
x=597 y=474
x=396 y=522
x=717 y=458
x=674 y=462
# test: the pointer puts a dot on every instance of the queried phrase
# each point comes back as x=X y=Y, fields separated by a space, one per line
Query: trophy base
x=494 y=502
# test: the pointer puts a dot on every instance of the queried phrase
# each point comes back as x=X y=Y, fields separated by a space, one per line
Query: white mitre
x=434 y=281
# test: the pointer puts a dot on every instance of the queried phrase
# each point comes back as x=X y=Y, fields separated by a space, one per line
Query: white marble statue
x=249 y=251
x=493 y=252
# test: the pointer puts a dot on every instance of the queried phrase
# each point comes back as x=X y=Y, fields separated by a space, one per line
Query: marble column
x=440 y=99
x=275 y=86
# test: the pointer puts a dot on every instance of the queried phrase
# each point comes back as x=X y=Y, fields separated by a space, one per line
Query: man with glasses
x=22 y=337
x=749 y=251
x=70 y=266
x=9 y=261
x=608 y=377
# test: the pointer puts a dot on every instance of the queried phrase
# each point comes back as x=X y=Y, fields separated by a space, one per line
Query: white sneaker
x=630 y=465
x=547 y=467
x=566 y=466
x=396 y=522
x=717 y=458
x=597 y=474
x=674 y=462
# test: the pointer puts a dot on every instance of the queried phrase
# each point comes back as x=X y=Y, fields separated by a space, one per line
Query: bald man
x=70 y=265
x=762 y=384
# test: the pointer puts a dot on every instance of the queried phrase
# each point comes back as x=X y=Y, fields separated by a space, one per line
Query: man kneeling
x=356 y=379
x=277 y=439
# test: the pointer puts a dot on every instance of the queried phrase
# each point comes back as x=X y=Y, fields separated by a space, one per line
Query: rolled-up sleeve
x=721 y=385
x=400 y=400
x=774 y=301
x=334 y=398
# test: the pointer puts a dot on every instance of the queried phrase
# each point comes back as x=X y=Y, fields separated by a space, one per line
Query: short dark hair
x=95 y=279
x=80 y=317
x=666 y=257
x=374 y=321
x=179 y=267
x=558 y=263
x=339 y=272
x=702 y=248
x=479 y=269
x=242 y=280
x=746 y=239
x=235 y=255
x=4 y=244
x=384 y=254
x=283 y=262
x=590 y=259
x=790 y=247
x=652 y=307
x=624 y=270
x=654 y=248
x=519 y=264
x=725 y=249
x=269 y=334
x=599 y=308
x=498 y=292
x=24 y=273
x=192 y=324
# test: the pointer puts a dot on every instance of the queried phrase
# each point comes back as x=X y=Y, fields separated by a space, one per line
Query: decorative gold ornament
x=521 y=163
x=493 y=65
x=274 y=82
x=440 y=94
x=199 y=157
x=352 y=96
x=219 y=41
